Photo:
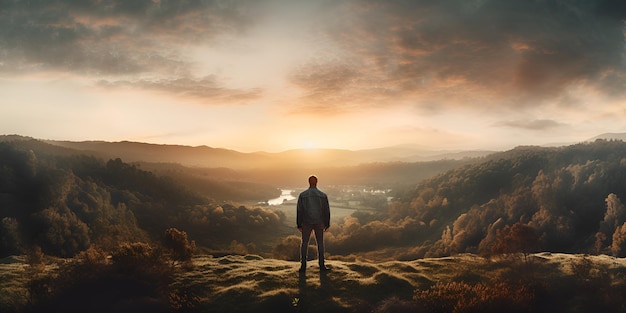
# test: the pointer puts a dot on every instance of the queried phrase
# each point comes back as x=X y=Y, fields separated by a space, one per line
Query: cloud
x=530 y=124
x=207 y=88
x=479 y=53
x=368 y=53
x=325 y=85
x=109 y=37
x=120 y=43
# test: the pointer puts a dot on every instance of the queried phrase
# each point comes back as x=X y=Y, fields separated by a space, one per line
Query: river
x=285 y=202
x=285 y=195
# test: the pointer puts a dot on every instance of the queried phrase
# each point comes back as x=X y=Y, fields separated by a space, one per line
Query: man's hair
x=312 y=180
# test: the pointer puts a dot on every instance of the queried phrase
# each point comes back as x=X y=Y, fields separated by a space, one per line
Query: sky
x=274 y=75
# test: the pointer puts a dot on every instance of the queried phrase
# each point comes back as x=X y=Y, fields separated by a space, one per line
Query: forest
x=570 y=197
x=64 y=201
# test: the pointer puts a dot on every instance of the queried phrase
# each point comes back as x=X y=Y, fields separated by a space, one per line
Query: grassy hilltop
x=543 y=282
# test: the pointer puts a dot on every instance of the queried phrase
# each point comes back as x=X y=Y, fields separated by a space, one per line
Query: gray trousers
x=319 y=237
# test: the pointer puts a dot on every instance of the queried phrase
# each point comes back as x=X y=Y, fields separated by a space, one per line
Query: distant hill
x=226 y=174
x=610 y=136
x=64 y=201
x=571 y=197
x=210 y=157
x=203 y=156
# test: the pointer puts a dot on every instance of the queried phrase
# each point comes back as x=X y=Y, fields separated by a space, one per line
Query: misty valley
x=127 y=227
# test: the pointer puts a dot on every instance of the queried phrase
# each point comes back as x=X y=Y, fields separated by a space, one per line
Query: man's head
x=313 y=181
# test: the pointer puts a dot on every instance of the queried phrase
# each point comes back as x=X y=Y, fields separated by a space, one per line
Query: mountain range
x=210 y=157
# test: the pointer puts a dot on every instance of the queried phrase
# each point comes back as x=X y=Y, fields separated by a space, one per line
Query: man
x=313 y=214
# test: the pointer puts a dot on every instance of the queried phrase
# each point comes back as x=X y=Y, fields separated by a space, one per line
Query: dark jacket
x=313 y=208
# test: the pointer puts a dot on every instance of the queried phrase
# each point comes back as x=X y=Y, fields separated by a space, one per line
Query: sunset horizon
x=276 y=75
x=310 y=146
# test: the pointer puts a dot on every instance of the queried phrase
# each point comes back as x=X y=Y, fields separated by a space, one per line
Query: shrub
x=132 y=255
x=137 y=277
x=288 y=249
x=395 y=305
x=461 y=297
x=144 y=263
x=35 y=258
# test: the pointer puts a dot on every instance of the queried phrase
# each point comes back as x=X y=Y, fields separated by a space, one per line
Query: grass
x=561 y=282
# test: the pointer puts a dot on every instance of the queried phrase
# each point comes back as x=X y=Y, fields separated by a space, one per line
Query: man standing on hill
x=313 y=214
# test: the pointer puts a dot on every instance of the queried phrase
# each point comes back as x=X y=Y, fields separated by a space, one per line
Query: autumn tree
x=519 y=238
x=614 y=217
x=618 y=246
x=177 y=244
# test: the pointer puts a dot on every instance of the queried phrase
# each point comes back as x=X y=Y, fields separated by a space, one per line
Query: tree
x=519 y=238
x=179 y=247
x=618 y=247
